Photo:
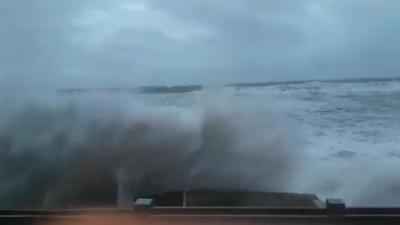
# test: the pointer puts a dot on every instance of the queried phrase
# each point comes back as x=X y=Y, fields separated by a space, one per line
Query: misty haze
x=106 y=101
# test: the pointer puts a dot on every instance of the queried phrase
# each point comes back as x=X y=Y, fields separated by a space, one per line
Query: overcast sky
x=119 y=43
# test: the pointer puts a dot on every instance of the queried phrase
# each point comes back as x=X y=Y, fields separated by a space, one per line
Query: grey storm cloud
x=94 y=43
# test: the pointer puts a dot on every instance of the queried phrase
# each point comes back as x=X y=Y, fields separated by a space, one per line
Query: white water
x=353 y=136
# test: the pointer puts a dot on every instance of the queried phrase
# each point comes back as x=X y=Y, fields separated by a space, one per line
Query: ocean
x=332 y=138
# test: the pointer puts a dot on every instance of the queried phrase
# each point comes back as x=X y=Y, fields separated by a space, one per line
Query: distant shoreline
x=190 y=88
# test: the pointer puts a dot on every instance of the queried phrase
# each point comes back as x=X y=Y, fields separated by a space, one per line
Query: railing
x=335 y=212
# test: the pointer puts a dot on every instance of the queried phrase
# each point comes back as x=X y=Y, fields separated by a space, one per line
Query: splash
x=75 y=151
